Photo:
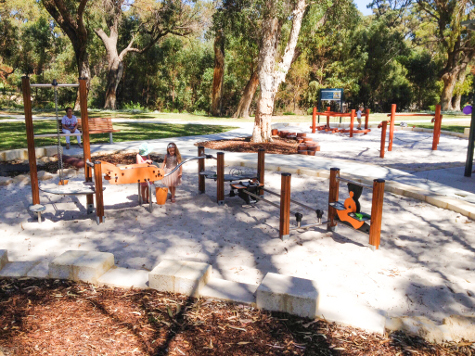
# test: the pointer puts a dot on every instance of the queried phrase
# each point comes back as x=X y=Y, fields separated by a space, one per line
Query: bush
x=288 y=113
x=133 y=106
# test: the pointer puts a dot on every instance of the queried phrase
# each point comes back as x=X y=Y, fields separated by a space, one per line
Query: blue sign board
x=331 y=94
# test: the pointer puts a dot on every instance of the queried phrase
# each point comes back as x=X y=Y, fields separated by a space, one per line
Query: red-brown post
x=261 y=154
x=30 y=137
x=85 y=136
x=333 y=195
x=201 y=168
x=376 y=213
x=328 y=116
x=366 y=121
x=99 y=192
x=284 y=225
x=391 y=127
x=220 y=178
x=384 y=126
x=352 y=122
x=314 y=119
x=437 y=127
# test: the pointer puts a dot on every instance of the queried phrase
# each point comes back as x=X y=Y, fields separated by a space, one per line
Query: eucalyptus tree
x=152 y=21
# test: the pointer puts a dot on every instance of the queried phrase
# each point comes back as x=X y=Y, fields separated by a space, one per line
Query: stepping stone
x=41 y=270
x=17 y=269
x=185 y=277
x=124 y=278
x=78 y=265
x=230 y=291
x=293 y=295
x=3 y=258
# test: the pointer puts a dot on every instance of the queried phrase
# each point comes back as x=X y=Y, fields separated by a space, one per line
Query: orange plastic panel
x=132 y=173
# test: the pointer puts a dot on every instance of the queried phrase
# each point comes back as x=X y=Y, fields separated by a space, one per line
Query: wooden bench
x=99 y=125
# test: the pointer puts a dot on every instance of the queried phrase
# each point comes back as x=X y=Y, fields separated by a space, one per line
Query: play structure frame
x=345 y=212
x=437 y=118
x=352 y=115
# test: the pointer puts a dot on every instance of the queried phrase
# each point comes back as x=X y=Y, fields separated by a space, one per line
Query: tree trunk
x=449 y=79
x=218 y=76
x=270 y=74
x=114 y=76
x=246 y=98
x=82 y=59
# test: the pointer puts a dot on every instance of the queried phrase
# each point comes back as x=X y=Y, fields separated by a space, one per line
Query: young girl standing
x=172 y=159
x=143 y=157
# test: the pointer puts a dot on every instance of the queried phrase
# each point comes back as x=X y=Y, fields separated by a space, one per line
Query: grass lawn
x=13 y=134
x=454 y=128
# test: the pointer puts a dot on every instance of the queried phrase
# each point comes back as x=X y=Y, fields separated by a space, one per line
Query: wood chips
x=56 y=317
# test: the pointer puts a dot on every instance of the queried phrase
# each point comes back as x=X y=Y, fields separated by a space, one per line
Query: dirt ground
x=39 y=317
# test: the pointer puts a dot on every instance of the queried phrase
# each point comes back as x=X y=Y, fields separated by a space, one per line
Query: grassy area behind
x=13 y=134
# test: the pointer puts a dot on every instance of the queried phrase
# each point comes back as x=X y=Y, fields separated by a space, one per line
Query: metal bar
x=185 y=161
x=307 y=226
x=54 y=86
x=265 y=200
x=354 y=182
x=291 y=200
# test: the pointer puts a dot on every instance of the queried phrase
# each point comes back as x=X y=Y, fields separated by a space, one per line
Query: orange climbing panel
x=131 y=173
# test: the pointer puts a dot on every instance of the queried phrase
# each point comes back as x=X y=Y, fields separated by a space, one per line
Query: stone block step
x=124 y=278
x=230 y=291
x=3 y=258
x=185 y=277
x=17 y=269
x=293 y=295
x=78 y=265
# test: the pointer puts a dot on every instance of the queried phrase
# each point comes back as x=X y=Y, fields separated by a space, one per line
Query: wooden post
x=383 y=138
x=391 y=127
x=437 y=127
x=328 y=117
x=376 y=213
x=261 y=154
x=220 y=178
x=86 y=144
x=30 y=137
x=352 y=122
x=366 y=121
x=201 y=168
x=314 y=119
x=333 y=195
x=99 y=192
x=284 y=225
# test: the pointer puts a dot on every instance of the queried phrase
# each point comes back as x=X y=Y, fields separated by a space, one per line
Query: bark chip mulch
x=243 y=144
x=57 y=317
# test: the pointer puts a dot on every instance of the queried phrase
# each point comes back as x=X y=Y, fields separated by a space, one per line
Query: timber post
x=220 y=178
x=86 y=142
x=314 y=119
x=201 y=168
x=261 y=154
x=352 y=122
x=391 y=127
x=384 y=126
x=333 y=195
x=30 y=137
x=366 y=121
x=437 y=127
x=376 y=213
x=284 y=223
x=99 y=192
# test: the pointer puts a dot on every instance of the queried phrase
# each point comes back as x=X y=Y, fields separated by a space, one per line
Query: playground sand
x=424 y=265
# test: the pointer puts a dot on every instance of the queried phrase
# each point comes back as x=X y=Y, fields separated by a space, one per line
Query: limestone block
x=288 y=294
x=124 y=278
x=394 y=188
x=232 y=291
x=420 y=326
x=460 y=206
x=18 y=154
x=39 y=152
x=460 y=327
x=308 y=172
x=272 y=167
x=52 y=150
x=415 y=193
x=291 y=170
x=43 y=175
x=323 y=173
x=21 y=179
x=250 y=164
x=466 y=132
x=17 y=269
x=5 y=181
x=185 y=277
x=437 y=200
x=2 y=156
x=351 y=313
x=39 y=271
x=81 y=265
x=3 y=258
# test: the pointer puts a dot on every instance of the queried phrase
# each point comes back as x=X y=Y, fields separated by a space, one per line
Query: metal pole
x=471 y=142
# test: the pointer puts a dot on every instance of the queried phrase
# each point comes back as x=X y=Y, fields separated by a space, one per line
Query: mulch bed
x=56 y=317
x=52 y=167
x=243 y=144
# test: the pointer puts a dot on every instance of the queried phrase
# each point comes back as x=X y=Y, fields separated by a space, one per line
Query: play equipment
x=250 y=188
x=89 y=189
x=351 y=130
x=437 y=120
x=349 y=212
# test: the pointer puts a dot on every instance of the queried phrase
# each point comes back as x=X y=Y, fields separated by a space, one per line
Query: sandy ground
x=424 y=265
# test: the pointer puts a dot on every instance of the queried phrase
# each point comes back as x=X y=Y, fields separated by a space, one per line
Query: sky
x=361 y=5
